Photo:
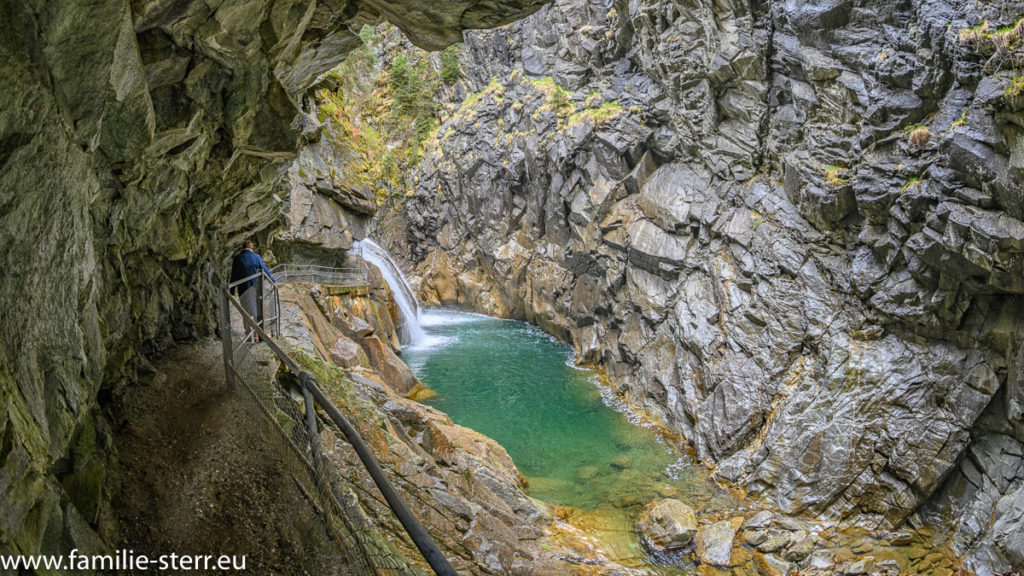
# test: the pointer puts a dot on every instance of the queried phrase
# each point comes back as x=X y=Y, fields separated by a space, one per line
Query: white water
x=412 y=329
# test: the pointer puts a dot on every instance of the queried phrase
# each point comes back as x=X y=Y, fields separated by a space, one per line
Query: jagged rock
x=344 y=353
x=714 y=543
x=667 y=524
x=141 y=143
x=759 y=521
x=801 y=546
x=389 y=365
x=826 y=333
x=771 y=565
x=776 y=541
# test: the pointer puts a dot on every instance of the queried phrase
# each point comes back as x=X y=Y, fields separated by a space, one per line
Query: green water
x=516 y=384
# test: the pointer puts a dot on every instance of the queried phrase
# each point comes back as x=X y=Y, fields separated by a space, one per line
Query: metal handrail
x=348 y=276
x=426 y=545
x=274 y=320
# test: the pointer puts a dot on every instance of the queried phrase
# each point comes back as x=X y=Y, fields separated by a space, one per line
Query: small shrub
x=556 y=98
x=450 y=71
x=919 y=135
x=1000 y=44
x=836 y=176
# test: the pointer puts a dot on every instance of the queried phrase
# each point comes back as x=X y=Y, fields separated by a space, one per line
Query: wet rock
x=759 y=521
x=755 y=537
x=775 y=541
x=859 y=567
x=389 y=365
x=585 y=473
x=821 y=560
x=772 y=565
x=667 y=524
x=801 y=546
x=899 y=538
x=862 y=548
x=714 y=543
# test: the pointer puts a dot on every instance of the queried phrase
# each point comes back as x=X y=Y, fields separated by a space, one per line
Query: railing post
x=259 y=300
x=225 y=338
x=277 y=313
x=314 y=438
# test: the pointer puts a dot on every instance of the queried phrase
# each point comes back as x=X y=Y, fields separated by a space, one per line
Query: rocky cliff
x=140 y=142
x=789 y=230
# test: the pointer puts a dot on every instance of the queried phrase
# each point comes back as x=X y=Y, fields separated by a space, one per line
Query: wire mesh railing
x=259 y=295
x=287 y=403
x=313 y=274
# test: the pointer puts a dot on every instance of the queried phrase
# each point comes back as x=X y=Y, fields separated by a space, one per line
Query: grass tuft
x=919 y=135
x=837 y=176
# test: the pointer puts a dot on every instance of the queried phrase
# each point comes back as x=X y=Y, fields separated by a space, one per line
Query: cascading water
x=412 y=330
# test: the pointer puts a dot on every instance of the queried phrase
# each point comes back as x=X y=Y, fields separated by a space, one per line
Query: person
x=245 y=264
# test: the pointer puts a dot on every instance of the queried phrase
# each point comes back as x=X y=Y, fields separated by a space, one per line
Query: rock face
x=723 y=206
x=667 y=524
x=140 y=142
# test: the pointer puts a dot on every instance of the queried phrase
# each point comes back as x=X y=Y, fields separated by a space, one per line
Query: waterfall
x=412 y=331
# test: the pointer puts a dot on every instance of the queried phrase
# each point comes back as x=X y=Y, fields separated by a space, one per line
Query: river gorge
x=703 y=287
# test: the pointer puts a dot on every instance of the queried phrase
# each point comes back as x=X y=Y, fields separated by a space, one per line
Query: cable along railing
x=238 y=324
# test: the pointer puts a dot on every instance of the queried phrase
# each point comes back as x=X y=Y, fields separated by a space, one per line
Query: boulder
x=714 y=543
x=667 y=524
x=344 y=352
x=395 y=372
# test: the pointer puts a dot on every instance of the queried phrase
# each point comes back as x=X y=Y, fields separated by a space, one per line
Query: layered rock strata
x=790 y=231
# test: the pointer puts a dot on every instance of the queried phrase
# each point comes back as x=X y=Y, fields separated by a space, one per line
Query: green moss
x=597 y=116
x=84 y=485
x=556 y=98
x=381 y=115
x=1015 y=88
x=984 y=40
x=495 y=89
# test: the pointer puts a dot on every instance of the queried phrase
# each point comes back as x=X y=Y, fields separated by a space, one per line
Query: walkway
x=202 y=474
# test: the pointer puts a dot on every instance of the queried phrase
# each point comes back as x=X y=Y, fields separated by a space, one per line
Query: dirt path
x=201 y=476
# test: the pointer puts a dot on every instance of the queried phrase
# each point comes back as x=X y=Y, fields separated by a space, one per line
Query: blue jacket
x=245 y=264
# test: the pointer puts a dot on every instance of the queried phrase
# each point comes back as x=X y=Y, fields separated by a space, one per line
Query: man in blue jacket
x=245 y=264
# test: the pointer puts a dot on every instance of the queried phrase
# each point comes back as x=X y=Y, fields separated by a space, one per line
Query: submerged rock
x=667 y=524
